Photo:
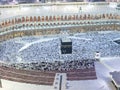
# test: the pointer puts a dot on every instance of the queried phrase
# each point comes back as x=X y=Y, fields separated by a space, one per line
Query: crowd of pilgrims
x=56 y=65
x=84 y=46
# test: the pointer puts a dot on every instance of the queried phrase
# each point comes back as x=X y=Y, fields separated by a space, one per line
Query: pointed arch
x=69 y=17
x=54 y=18
x=38 y=18
x=31 y=19
x=23 y=19
x=6 y=23
x=46 y=18
x=76 y=16
x=3 y=24
x=43 y=18
x=50 y=18
x=65 y=17
x=73 y=17
x=9 y=22
x=19 y=20
x=58 y=18
x=16 y=20
x=61 y=17
x=27 y=18
x=35 y=19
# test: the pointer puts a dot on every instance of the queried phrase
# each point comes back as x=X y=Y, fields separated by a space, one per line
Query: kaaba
x=66 y=46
